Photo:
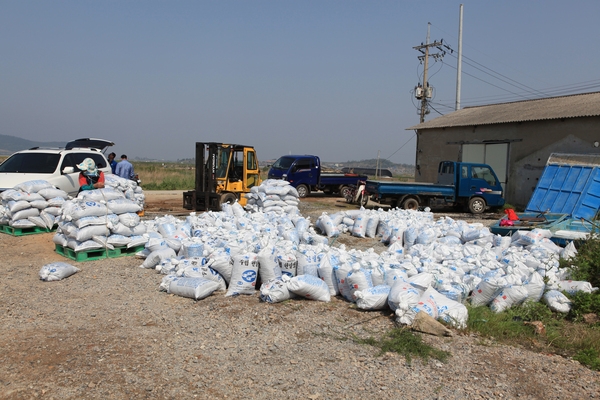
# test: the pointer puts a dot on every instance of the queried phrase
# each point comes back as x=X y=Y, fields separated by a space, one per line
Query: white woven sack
x=509 y=296
x=486 y=291
x=275 y=291
x=33 y=186
x=121 y=206
x=557 y=301
x=57 y=271
x=268 y=267
x=308 y=286
x=193 y=288
x=222 y=263
x=203 y=271
x=52 y=192
x=325 y=271
x=243 y=274
x=403 y=296
x=375 y=298
x=573 y=287
x=358 y=279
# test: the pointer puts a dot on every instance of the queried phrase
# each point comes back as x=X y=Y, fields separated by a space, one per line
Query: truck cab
x=301 y=171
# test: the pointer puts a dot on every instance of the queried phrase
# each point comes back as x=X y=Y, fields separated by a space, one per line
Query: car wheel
x=477 y=205
x=303 y=191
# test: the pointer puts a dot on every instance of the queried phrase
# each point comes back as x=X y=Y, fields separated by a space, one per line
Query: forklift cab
x=224 y=173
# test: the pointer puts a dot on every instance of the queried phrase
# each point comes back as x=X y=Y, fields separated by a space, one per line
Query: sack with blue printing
x=557 y=301
x=166 y=281
x=358 y=279
x=73 y=210
x=510 y=295
x=275 y=291
x=487 y=290
x=222 y=262
x=394 y=274
x=14 y=206
x=359 y=228
x=118 y=240
x=374 y=298
x=243 y=274
x=341 y=272
x=191 y=248
x=90 y=231
x=157 y=256
x=308 y=262
x=573 y=287
x=403 y=296
x=57 y=271
x=268 y=267
x=450 y=311
x=203 y=271
x=308 y=286
x=38 y=221
x=410 y=236
x=427 y=304
x=193 y=288
x=288 y=263
x=325 y=224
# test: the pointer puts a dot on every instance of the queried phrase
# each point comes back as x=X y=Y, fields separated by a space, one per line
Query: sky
x=331 y=78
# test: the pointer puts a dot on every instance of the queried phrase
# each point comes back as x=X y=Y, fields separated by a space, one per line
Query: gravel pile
x=107 y=332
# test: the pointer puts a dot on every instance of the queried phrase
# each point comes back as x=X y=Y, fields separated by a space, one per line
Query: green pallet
x=97 y=254
x=9 y=230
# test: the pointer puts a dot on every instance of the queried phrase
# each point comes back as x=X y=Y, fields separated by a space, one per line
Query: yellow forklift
x=224 y=173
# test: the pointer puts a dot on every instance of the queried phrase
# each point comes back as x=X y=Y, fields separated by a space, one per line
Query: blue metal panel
x=568 y=189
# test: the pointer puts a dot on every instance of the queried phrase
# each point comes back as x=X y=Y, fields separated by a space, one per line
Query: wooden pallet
x=9 y=230
x=97 y=254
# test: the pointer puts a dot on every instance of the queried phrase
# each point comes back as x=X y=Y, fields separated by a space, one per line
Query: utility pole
x=425 y=92
x=459 y=62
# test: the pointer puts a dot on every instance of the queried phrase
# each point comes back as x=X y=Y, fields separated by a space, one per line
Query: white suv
x=57 y=166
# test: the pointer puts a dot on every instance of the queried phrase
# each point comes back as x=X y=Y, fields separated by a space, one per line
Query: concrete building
x=516 y=139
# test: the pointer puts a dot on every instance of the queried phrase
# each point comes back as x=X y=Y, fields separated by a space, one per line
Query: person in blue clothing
x=125 y=169
x=112 y=162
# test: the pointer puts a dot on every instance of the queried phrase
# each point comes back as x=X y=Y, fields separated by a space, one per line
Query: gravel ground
x=108 y=333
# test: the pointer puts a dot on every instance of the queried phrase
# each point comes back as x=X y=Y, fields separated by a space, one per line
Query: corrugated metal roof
x=579 y=105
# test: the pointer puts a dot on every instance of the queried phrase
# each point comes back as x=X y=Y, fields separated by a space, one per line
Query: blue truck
x=304 y=173
x=474 y=187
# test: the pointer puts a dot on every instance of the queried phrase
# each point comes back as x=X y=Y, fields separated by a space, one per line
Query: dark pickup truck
x=304 y=173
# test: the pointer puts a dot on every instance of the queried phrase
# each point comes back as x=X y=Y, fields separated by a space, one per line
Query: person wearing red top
x=89 y=177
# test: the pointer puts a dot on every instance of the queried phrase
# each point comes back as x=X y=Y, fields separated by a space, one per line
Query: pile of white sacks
x=273 y=195
x=431 y=266
x=31 y=204
x=100 y=218
x=130 y=189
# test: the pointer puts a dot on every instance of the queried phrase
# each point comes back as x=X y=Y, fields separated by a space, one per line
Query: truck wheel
x=303 y=191
x=228 y=198
x=477 y=205
x=410 y=204
x=345 y=191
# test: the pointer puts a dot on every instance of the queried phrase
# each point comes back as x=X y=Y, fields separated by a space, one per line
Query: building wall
x=530 y=145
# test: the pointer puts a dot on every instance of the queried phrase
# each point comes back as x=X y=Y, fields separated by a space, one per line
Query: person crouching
x=90 y=177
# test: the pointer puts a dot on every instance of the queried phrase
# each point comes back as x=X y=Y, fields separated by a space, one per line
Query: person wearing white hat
x=89 y=177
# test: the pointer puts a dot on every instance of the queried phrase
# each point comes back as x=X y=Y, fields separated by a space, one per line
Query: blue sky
x=332 y=78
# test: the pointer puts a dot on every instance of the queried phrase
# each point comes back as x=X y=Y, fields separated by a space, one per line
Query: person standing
x=124 y=168
x=112 y=162
x=89 y=177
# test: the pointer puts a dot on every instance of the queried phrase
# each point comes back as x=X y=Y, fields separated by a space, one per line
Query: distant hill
x=11 y=144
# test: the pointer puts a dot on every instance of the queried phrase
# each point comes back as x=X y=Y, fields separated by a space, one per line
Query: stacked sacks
x=129 y=188
x=100 y=218
x=273 y=195
x=31 y=204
